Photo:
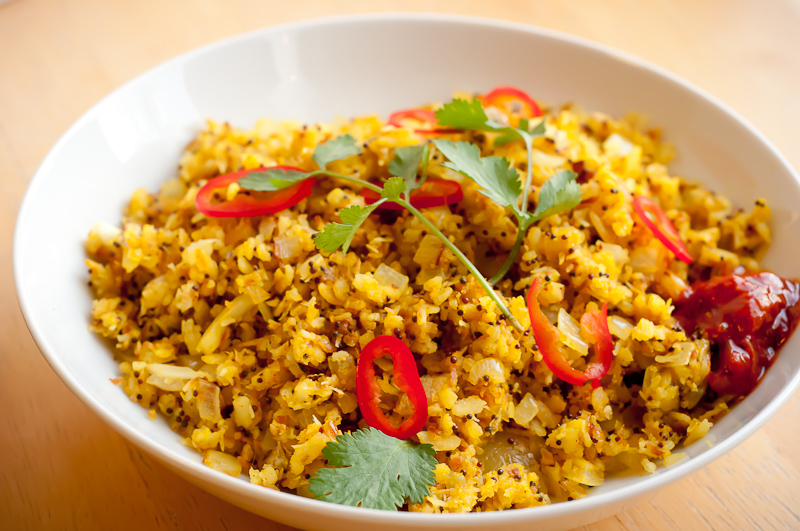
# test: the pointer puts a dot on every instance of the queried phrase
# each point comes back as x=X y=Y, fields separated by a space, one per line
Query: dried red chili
x=596 y=325
x=244 y=205
x=406 y=378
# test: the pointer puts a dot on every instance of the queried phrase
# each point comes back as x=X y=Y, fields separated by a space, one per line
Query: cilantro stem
x=354 y=180
x=529 y=172
x=523 y=223
x=470 y=266
x=497 y=277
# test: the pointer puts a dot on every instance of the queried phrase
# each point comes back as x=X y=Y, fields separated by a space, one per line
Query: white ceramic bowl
x=355 y=65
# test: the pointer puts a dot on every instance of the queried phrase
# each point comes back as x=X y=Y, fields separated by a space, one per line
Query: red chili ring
x=406 y=378
x=245 y=206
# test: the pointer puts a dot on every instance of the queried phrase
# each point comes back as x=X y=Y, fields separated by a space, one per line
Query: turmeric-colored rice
x=244 y=336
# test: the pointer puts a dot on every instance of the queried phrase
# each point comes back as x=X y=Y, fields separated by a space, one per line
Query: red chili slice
x=505 y=93
x=596 y=325
x=423 y=117
x=546 y=335
x=246 y=206
x=406 y=378
x=661 y=227
x=433 y=192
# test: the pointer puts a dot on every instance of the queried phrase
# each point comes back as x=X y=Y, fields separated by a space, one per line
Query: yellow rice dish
x=245 y=337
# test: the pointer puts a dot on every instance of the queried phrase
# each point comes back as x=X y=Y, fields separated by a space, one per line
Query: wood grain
x=62 y=468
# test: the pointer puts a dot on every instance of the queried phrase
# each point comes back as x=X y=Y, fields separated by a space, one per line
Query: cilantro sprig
x=273 y=179
x=494 y=174
x=405 y=166
x=375 y=471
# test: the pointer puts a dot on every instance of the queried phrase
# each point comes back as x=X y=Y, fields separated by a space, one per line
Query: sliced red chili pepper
x=661 y=227
x=596 y=325
x=546 y=335
x=503 y=94
x=406 y=378
x=432 y=193
x=423 y=117
x=246 y=206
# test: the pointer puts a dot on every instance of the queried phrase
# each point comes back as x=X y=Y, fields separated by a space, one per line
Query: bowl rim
x=295 y=502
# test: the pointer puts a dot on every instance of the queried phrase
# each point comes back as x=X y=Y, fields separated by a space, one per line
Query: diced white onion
x=386 y=276
x=471 y=405
x=432 y=385
x=619 y=326
x=487 y=367
x=440 y=443
x=526 y=410
x=243 y=411
x=169 y=377
x=499 y=452
x=571 y=332
x=207 y=246
x=208 y=400
x=287 y=247
x=680 y=355
x=592 y=478
x=222 y=462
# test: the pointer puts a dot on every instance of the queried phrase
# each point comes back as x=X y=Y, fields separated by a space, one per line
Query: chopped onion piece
x=619 y=326
x=500 y=452
x=592 y=478
x=243 y=411
x=169 y=377
x=487 y=367
x=386 y=276
x=526 y=410
x=571 y=332
x=207 y=246
x=208 y=400
x=212 y=337
x=222 y=462
x=680 y=355
x=440 y=443
x=287 y=247
x=432 y=385
x=471 y=405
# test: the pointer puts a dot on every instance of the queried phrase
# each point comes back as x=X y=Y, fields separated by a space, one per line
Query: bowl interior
x=319 y=70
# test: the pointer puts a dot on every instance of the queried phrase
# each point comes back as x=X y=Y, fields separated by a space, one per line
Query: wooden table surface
x=62 y=468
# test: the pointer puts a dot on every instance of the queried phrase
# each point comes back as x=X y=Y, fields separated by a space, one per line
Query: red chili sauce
x=748 y=316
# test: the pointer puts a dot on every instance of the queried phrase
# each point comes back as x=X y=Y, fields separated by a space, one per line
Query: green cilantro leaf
x=376 y=471
x=406 y=162
x=336 y=235
x=559 y=193
x=338 y=148
x=463 y=114
x=271 y=179
x=393 y=187
x=500 y=182
x=510 y=134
